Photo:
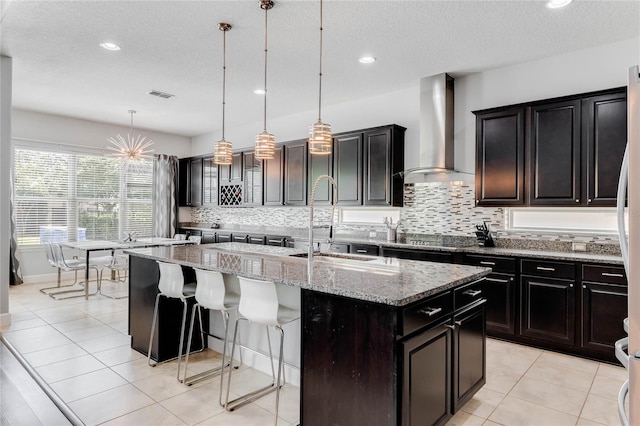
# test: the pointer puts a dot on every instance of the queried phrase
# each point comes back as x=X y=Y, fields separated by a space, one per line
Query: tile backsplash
x=437 y=208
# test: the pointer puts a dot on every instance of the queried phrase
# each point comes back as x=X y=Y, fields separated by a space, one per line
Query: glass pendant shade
x=320 y=138
x=223 y=152
x=265 y=147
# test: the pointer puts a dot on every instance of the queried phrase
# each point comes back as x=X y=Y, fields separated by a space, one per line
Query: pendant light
x=133 y=153
x=223 y=150
x=320 y=137
x=265 y=141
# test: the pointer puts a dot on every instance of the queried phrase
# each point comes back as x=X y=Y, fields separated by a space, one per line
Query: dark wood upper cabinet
x=295 y=173
x=347 y=168
x=573 y=149
x=604 y=130
x=252 y=179
x=209 y=182
x=384 y=156
x=500 y=157
x=236 y=167
x=190 y=182
x=320 y=165
x=555 y=154
x=273 y=183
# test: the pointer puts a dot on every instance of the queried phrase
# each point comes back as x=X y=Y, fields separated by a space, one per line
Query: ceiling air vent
x=160 y=94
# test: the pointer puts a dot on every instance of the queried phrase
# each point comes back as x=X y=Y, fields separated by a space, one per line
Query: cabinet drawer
x=364 y=249
x=255 y=239
x=239 y=238
x=338 y=248
x=542 y=268
x=604 y=274
x=223 y=238
x=208 y=237
x=426 y=312
x=467 y=294
x=278 y=241
x=498 y=264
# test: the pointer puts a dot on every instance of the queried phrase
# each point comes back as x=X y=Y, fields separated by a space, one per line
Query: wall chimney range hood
x=436 y=134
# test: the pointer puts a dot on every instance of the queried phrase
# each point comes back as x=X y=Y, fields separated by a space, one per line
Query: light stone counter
x=395 y=282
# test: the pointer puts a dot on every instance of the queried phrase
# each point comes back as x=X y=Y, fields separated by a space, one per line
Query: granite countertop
x=395 y=282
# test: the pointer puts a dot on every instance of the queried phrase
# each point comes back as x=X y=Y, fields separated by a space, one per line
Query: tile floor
x=82 y=350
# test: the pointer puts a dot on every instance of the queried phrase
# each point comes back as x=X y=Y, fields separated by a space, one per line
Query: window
x=67 y=196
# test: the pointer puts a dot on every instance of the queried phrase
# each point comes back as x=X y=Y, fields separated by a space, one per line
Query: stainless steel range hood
x=436 y=134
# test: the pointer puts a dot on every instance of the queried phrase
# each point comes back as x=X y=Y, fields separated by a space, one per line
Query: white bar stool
x=259 y=304
x=171 y=285
x=211 y=294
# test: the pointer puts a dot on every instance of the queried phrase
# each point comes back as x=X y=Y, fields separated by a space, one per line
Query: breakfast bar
x=383 y=341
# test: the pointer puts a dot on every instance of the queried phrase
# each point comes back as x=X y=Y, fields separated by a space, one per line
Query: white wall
x=598 y=68
x=38 y=126
x=587 y=70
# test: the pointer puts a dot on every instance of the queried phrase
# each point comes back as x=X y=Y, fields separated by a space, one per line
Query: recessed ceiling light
x=556 y=4
x=259 y=91
x=367 y=60
x=109 y=46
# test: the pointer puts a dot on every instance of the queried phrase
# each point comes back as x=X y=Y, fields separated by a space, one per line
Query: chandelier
x=133 y=153
x=265 y=141
x=223 y=150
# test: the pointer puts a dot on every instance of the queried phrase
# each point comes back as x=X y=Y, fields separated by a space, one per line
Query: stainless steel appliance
x=628 y=349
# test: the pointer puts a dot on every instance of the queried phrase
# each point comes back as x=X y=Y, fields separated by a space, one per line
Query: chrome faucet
x=333 y=210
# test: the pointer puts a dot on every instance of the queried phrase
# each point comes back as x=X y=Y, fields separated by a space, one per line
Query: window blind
x=68 y=196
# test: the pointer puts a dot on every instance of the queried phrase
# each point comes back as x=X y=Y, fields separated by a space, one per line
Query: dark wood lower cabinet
x=426 y=387
x=143 y=288
x=604 y=306
x=365 y=363
x=547 y=309
x=500 y=292
x=469 y=354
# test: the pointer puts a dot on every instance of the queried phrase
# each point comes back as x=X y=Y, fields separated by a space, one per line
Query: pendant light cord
x=224 y=76
x=266 y=12
x=131 y=123
x=320 y=74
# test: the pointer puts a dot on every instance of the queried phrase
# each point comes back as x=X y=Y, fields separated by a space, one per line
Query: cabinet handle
x=484 y=262
x=430 y=311
x=544 y=268
x=275 y=241
x=472 y=293
x=577 y=200
x=452 y=327
x=498 y=280
x=610 y=274
x=589 y=200
x=584 y=286
x=361 y=251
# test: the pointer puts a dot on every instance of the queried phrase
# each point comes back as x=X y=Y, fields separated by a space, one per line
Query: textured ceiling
x=175 y=46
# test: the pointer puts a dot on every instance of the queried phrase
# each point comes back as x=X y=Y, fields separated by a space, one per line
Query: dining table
x=88 y=246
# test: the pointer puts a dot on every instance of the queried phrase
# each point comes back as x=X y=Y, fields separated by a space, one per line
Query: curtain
x=165 y=191
x=16 y=271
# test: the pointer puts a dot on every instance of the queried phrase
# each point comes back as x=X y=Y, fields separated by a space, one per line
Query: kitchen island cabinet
x=357 y=316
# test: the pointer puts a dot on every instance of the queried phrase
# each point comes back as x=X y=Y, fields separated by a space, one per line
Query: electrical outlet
x=579 y=246
x=372 y=234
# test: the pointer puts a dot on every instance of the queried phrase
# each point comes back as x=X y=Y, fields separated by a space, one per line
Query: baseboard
x=5 y=320
x=258 y=361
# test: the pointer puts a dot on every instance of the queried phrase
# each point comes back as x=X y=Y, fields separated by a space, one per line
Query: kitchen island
x=384 y=341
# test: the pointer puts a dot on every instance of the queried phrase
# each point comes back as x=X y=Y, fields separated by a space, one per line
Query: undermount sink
x=335 y=256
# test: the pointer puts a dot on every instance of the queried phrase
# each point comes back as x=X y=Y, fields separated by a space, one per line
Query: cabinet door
x=377 y=167
x=252 y=179
x=273 y=182
x=547 y=309
x=604 y=133
x=555 y=154
x=499 y=290
x=196 y=182
x=604 y=306
x=295 y=173
x=320 y=165
x=426 y=378
x=209 y=182
x=347 y=168
x=469 y=355
x=184 y=184
x=500 y=158
x=236 y=167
